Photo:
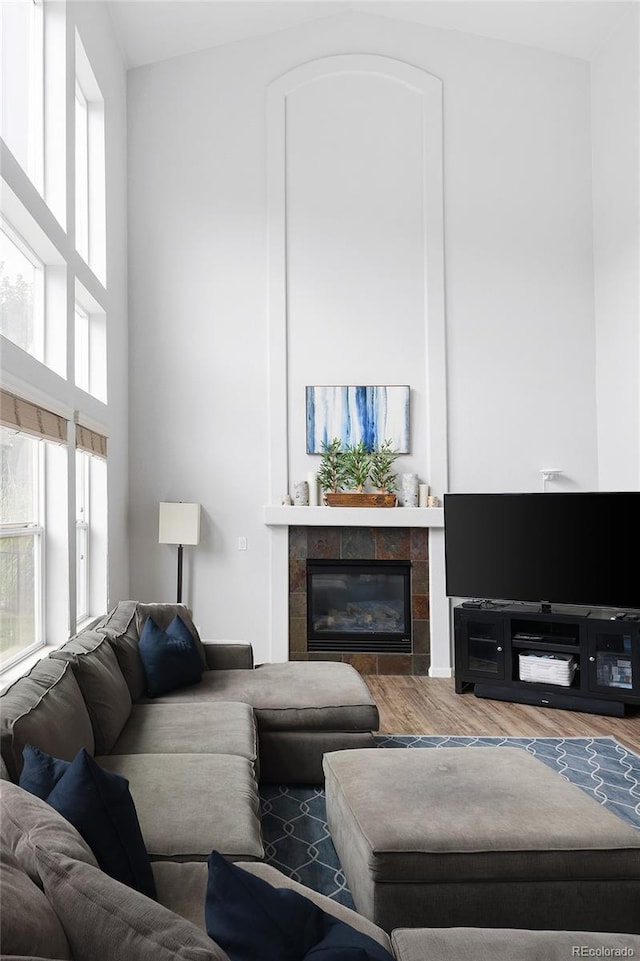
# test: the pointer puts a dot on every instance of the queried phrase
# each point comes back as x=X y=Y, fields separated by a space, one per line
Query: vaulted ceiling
x=154 y=30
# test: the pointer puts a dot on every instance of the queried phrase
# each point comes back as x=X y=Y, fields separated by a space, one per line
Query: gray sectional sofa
x=57 y=903
x=194 y=756
x=193 y=759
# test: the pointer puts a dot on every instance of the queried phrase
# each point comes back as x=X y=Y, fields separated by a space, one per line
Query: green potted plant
x=351 y=467
x=332 y=473
x=380 y=473
x=357 y=461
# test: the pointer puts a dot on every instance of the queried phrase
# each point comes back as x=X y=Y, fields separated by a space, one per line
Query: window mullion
x=40 y=559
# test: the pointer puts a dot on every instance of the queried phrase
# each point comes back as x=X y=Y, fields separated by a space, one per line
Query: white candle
x=423 y=494
x=312 y=480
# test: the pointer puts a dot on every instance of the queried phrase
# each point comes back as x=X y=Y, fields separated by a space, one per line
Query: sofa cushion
x=122 y=631
x=169 y=657
x=250 y=918
x=508 y=944
x=120 y=619
x=28 y=923
x=314 y=696
x=181 y=886
x=96 y=669
x=27 y=822
x=207 y=801
x=163 y=615
x=98 y=803
x=107 y=920
x=221 y=727
x=44 y=708
x=322 y=696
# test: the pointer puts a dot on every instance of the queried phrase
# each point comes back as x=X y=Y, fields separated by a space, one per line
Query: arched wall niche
x=356 y=273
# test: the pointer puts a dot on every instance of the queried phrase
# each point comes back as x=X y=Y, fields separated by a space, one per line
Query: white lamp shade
x=179 y=523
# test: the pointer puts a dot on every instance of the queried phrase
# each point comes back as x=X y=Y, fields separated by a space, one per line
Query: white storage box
x=547 y=668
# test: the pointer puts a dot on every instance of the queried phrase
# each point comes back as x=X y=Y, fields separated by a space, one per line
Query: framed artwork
x=371 y=414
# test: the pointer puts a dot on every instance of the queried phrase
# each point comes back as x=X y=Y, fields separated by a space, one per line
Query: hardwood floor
x=428 y=705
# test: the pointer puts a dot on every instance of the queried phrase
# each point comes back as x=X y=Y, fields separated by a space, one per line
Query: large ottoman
x=478 y=837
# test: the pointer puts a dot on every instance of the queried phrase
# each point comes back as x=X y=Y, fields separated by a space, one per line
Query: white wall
x=615 y=84
x=355 y=258
x=519 y=293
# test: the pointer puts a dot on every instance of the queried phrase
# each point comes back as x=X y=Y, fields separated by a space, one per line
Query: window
x=81 y=320
x=21 y=293
x=21 y=554
x=21 y=55
x=82 y=174
x=82 y=535
x=90 y=166
x=24 y=475
x=53 y=324
x=90 y=345
x=91 y=523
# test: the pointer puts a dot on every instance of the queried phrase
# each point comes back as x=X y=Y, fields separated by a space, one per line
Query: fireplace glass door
x=357 y=605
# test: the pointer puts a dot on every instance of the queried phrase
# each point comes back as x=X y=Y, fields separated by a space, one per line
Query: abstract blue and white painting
x=370 y=414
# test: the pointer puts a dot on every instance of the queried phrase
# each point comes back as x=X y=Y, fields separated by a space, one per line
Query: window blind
x=22 y=415
x=91 y=441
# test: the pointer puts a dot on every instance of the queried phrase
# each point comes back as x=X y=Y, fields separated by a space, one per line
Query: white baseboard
x=440 y=672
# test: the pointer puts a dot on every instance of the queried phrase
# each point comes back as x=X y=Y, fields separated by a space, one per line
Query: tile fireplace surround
x=362 y=543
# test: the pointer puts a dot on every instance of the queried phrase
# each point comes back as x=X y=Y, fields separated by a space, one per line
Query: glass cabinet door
x=484 y=654
x=611 y=658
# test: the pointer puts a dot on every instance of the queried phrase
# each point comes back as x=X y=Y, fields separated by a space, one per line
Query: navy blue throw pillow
x=40 y=772
x=99 y=805
x=170 y=658
x=249 y=918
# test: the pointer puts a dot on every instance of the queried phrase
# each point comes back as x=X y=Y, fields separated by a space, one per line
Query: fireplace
x=358 y=605
x=366 y=545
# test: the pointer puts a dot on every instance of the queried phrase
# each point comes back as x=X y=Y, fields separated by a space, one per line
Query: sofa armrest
x=228 y=655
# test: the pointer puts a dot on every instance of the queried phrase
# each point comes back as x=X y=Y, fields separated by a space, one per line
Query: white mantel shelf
x=286 y=516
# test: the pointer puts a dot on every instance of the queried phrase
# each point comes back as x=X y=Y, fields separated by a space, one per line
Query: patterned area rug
x=294 y=820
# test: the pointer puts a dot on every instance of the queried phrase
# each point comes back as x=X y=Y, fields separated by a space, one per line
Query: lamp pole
x=179 y=573
x=179 y=524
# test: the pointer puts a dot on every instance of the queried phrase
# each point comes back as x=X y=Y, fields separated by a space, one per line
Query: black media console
x=581 y=659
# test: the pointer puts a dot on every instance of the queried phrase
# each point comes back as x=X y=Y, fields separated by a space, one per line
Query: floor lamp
x=179 y=524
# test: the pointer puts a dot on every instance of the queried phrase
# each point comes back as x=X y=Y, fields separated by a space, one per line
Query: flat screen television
x=549 y=548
